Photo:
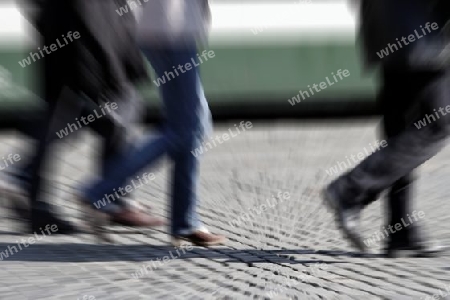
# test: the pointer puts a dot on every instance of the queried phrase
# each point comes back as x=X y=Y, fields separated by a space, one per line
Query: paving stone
x=273 y=249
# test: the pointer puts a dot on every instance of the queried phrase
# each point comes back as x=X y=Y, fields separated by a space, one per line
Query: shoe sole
x=415 y=253
x=402 y=254
x=355 y=241
x=181 y=242
x=411 y=254
x=128 y=224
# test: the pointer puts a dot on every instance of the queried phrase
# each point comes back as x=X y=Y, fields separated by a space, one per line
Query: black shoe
x=346 y=217
x=41 y=218
x=416 y=249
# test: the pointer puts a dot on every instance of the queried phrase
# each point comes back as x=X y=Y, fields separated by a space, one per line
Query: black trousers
x=68 y=106
x=396 y=105
x=56 y=72
x=114 y=137
x=406 y=97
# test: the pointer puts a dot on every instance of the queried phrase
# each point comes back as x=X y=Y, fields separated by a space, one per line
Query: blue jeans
x=187 y=120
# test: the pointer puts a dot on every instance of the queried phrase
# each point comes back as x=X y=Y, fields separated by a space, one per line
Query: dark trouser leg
x=395 y=104
x=64 y=107
x=410 y=148
x=22 y=173
x=116 y=141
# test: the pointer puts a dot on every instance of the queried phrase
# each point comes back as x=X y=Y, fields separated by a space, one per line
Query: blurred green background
x=243 y=78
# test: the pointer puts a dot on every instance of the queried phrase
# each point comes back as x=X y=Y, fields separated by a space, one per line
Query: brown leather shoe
x=199 y=238
x=136 y=218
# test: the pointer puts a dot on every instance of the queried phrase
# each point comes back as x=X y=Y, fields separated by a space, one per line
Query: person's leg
x=407 y=150
x=16 y=183
x=185 y=219
x=152 y=149
x=117 y=141
x=21 y=175
x=119 y=138
x=64 y=107
x=184 y=109
x=404 y=152
x=181 y=117
x=395 y=105
x=190 y=117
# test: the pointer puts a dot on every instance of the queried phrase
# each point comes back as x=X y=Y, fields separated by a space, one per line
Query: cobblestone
x=268 y=252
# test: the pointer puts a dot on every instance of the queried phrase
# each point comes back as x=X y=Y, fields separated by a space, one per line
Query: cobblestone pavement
x=287 y=249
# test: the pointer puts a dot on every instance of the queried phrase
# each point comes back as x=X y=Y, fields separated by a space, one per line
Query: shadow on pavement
x=78 y=253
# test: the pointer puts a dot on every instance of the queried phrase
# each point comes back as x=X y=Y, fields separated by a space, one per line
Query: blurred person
x=169 y=31
x=78 y=78
x=414 y=84
x=116 y=138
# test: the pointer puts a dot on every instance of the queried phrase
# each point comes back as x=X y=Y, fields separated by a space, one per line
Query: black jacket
x=383 y=21
x=105 y=57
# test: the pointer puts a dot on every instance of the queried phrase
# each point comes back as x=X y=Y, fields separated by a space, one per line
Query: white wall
x=236 y=22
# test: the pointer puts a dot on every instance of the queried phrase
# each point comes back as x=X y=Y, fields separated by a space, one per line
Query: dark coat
x=383 y=21
x=103 y=59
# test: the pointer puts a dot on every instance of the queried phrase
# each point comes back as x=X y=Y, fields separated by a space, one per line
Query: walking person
x=169 y=32
x=97 y=67
x=116 y=140
x=414 y=83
